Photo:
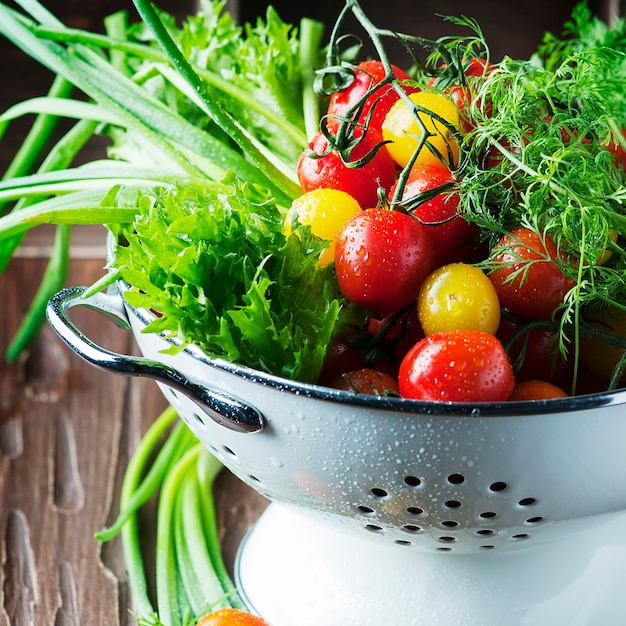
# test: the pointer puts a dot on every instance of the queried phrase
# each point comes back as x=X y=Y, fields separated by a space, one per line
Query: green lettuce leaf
x=216 y=266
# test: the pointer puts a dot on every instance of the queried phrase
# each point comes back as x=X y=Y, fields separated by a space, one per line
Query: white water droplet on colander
x=276 y=462
x=475 y=413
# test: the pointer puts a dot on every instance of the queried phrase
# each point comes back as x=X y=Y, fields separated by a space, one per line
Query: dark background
x=514 y=28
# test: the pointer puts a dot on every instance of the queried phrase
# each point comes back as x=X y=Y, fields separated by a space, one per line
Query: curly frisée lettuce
x=217 y=269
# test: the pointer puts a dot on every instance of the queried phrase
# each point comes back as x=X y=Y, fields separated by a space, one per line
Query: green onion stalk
x=176 y=102
x=190 y=578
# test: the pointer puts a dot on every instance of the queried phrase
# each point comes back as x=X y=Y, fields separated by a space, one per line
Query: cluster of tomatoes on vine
x=379 y=184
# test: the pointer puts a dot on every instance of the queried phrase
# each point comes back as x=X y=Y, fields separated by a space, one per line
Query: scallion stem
x=39 y=135
x=208 y=468
x=203 y=586
x=169 y=600
x=130 y=533
x=311 y=32
x=52 y=281
x=179 y=439
x=59 y=157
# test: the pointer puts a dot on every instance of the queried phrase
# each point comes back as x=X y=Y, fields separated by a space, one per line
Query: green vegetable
x=190 y=576
x=584 y=31
x=548 y=130
x=188 y=102
x=217 y=267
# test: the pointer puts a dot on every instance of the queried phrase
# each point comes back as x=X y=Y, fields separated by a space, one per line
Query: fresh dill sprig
x=545 y=151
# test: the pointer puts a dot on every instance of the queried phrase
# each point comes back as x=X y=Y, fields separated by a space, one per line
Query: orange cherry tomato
x=536 y=390
x=231 y=617
x=368 y=381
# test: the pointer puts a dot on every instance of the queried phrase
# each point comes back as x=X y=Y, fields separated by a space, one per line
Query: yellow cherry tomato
x=326 y=211
x=402 y=128
x=458 y=296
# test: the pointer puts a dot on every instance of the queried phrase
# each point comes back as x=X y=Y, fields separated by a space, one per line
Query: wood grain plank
x=67 y=432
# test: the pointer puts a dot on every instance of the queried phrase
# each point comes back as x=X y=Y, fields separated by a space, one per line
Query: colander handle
x=223 y=409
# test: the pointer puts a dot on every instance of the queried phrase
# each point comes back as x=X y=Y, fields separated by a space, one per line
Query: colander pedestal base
x=295 y=572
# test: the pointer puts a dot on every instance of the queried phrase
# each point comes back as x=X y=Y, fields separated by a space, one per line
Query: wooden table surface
x=67 y=432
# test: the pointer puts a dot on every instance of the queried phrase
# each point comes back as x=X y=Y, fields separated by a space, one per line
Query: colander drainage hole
x=527 y=501
x=412 y=481
x=498 y=486
x=415 y=511
x=487 y=515
x=446 y=539
x=379 y=493
x=452 y=504
x=373 y=528
x=456 y=479
x=449 y=524
x=485 y=532
x=412 y=528
x=199 y=419
x=366 y=510
x=535 y=520
x=520 y=537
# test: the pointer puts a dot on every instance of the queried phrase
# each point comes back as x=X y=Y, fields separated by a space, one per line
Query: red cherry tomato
x=367 y=75
x=457 y=366
x=462 y=94
x=506 y=174
x=532 y=354
x=450 y=233
x=598 y=356
x=340 y=358
x=368 y=381
x=402 y=335
x=381 y=259
x=231 y=617
x=528 y=281
x=536 y=390
x=617 y=150
x=330 y=171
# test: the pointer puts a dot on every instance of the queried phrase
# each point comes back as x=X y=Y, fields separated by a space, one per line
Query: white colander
x=390 y=511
